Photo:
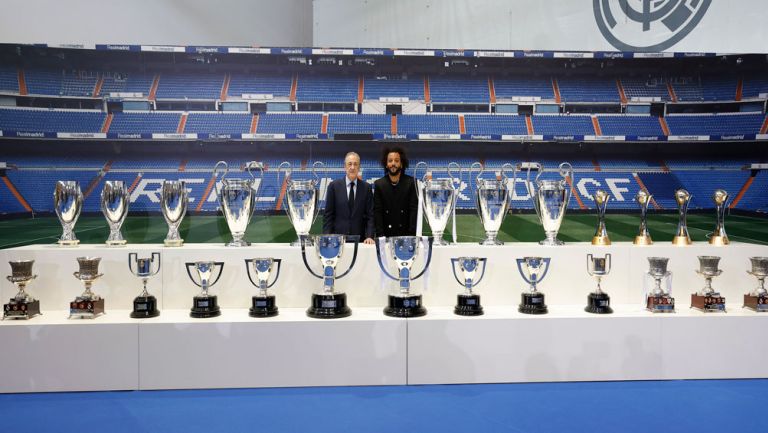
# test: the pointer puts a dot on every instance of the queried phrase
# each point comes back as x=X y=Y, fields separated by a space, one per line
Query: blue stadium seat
x=190 y=86
x=359 y=123
x=582 y=89
x=9 y=80
x=41 y=120
x=523 y=86
x=428 y=124
x=220 y=123
x=327 y=88
x=277 y=85
x=630 y=125
x=722 y=124
x=290 y=123
x=562 y=125
x=459 y=89
x=394 y=86
x=495 y=124
x=149 y=122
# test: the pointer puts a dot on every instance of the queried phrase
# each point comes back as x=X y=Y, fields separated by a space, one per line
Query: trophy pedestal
x=173 y=242
x=681 y=241
x=719 y=240
x=86 y=308
x=758 y=303
x=643 y=240
x=238 y=243
x=468 y=305
x=660 y=304
x=532 y=303
x=329 y=306
x=489 y=241
x=598 y=303
x=69 y=243
x=117 y=243
x=205 y=306
x=263 y=306
x=405 y=306
x=16 y=309
x=710 y=303
x=601 y=240
x=145 y=307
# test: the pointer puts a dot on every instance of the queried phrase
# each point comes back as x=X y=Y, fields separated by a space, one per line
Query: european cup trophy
x=492 y=200
x=601 y=234
x=174 y=199
x=682 y=198
x=144 y=305
x=598 y=302
x=21 y=306
x=238 y=200
x=643 y=199
x=114 y=206
x=533 y=270
x=327 y=303
x=404 y=250
x=707 y=299
x=550 y=199
x=68 y=202
x=301 y=200
x=757 y=299
x=718 y=237
x=468 y=303
x=204 y=304
x=88 y=305
x=659 y=300
x=438 y=199
x=263 y=304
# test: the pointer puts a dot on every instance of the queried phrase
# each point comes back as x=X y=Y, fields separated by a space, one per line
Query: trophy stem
x=88 y=294
x=438 y=239
x=115 y=237
x=551 y=239
x=238 y=241
x=173 y=238
x=599 y=287
x=68 y=237
x=144 y=291
x=707 y=285
x=657 y=290
x=491 y=239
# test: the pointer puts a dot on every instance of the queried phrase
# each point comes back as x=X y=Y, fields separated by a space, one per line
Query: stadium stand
x=36 y=120
x=126 y=83
x=562 y=124
x=260 y=84
x=428 y=124
x=60 y=82
x=459 y=89
x=9 y=81
x=145 y=122
x=359 y=123
x=624 y=124
x=588 y=89
x=708 y=124
x=509 y=86
x=221 y=123
x=495 y=124
x=394 y=86
x=326 y=88
x=190 y=86
x=290 y=123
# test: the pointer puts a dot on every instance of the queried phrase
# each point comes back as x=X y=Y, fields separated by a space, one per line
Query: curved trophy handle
x=566 y=172
x=130 y=262
x=306 y=263
x=454 y=166
x=250 y=278
x=381 y=264
x=220 y=266
x=356 y=238
x=157 y=269
x=429 y=259
x=531 y=188
x=482 y=274
x=480 y=170
x=189 y=272
x=223 y=176
x=286 y=167
x=255 y=164
x=322 y=166
x=455 y=260
x=504 y=168
x=425 y=166
x=546 y=270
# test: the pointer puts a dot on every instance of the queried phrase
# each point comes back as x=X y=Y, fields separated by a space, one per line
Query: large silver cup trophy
x=403 y=250
x=21 y=306
x=718 y=236
x=144 y=305
x=114 y=205
x=659 y=299
x=328 y=303
x=301 y=200
x=707 y=299
x=205 y=274
x=683 y=199
x=238 y=201
x=643 y=198
x=598 y=302
x=533 y=270
x=472 y=271
x=550 y=199
x=88 y=305
x=263 y=304
x=601 y=199
x=492 y=200
x=174 y=199
x=68 y=202
x=438 y=199
x=757 y=299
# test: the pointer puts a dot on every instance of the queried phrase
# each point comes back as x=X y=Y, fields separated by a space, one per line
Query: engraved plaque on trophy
x=263 y=303
x=757 y=299
x=659 y=300
x=598 y=302
x=329 y=303
x=707 y=299
x=468 y=302
x=205 y=275
x=144 y=305
x=533 y=270
x=21 y=306
x=88 y=305
x=403 y=251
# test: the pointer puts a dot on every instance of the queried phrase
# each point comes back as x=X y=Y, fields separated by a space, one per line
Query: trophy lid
x=720 y=197
x=643 y=196
x=21 y=269
x=601 y=197
x=682 y=196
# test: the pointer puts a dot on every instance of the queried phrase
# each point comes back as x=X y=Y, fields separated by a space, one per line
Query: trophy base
x=86 y=308
x=21 y=309
x=307 y=242
x=719 y=240
x=238 y=243
x=552 y=242
x=173 y=242
x=660 y=304
x=120 y=243
x=144 y=307
x=598 y=303
x=468 y=305
x=329 y=306
x=601 y=240
x=492 y=241
x=681 y=241
x=440 y=242
x=68 y=243
x=263 y=306
x=405 y=306
x=758 y=303
x=204 y=307
x=711 y=303
x=532 y=303
x=643 y=240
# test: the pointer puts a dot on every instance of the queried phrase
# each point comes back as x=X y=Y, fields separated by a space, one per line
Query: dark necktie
x=351 y=197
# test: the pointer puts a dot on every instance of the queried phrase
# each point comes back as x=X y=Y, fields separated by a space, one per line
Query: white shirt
x=350 y=182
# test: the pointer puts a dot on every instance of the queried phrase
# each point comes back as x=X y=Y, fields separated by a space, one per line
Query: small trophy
x=533 y=270
x=757 y=300
x=601 y=234
x=468 y=303
x=598 y=302
x=643 y=199
x=301 y=200
x=238 y=201
x=21 y=306
x=492 y=198
x=114 y=206
x=550 y=199
x=263 y=304
x=204 y=305
x=144 y=305
x=683 y=198
x=174 y=198
x=68 y=202
x=718 y=237
x=659 y=300
x=707 y=300
x=327 y=303
x=88 y=305
x=404 y=250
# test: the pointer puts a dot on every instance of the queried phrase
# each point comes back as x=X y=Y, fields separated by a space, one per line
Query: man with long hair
x=395 y=203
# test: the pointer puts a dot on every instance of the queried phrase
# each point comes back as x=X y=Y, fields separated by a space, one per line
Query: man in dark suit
x=395 y=203
x=349 y=203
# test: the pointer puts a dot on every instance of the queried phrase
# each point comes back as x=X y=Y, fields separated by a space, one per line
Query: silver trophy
x=598 y=302
x=757 y=299
x=144 y=305
x=263 y=304
x=707 y=299
x=21 y=306
x=205 y=275
x=472 y=271
x=301 y=200
x=718 y=237
x=404 y=250
x=492 y=200
x=438 y=199
x=643 y=199
x=238 y=201
x=550 y=199
x=114 y=206
x=174 y=199
x=328 y=303
x=68 y=202
x=601 y=199
x=682 y=198
x=659 y=300
x=88 y=305
x=533 y=270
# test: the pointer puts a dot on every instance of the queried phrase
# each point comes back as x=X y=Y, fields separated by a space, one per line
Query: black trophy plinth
x=710 y=303
x=21 y=309
x=468 y=305
x=86 y=308
x=405 y=306
x=204 y=307
x=145 y=307
x=758 y=303
x=263 y=306
x=598 y=303
x=660 y=304
x=329 y=306
x=532 y=303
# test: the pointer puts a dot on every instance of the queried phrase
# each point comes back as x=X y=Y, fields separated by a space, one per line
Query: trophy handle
x=429 y=259
x=189 y=266
x=130 y=262
x=277 y=274
x=566 y=172
x=589 y=264
x=504 y=169
x=255 y=164
x=531 y=188
x=546 y=260
x=315 y=166
x=520 y=270
x=608 y=262
x=454 y=260
x=306 y=263
x=421 y=164
x=482 y=274
x=381 y=264
x=215 y=175
x=356 y=238
x=451 y=167
x=220 y=265
x=476 y=166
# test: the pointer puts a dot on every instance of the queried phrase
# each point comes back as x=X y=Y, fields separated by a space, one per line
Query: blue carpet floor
x=721 y=406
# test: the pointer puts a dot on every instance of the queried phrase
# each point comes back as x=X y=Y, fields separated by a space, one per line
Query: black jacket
x=336 y=216
x=395 y=207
